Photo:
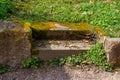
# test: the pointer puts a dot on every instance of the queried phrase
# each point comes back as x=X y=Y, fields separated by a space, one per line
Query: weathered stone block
x=112 y=48
x=63 y=31
x=50 y=49
x=15 y=43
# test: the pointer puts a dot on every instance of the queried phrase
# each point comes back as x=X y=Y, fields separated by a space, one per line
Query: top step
x=55 y=30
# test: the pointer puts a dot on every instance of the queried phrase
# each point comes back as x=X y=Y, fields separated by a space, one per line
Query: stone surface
x=61 y=44
x=112 y=48
x=15 y=43
x=55 y=30
x=49 y=49
x=62 y=26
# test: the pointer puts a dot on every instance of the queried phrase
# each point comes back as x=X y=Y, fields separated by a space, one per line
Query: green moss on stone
x=41 y=26
x=72 y=26
x=45 y=30
x=100 y=31
x=78 y=26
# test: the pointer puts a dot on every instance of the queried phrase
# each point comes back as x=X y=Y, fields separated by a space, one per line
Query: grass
x=97 y=56
x=6 y=9
x=101 y=13
x=4 y=69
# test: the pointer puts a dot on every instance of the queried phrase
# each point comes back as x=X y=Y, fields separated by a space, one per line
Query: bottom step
x=49 y=49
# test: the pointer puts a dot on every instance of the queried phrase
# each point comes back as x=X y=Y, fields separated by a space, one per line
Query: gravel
x=61 y=73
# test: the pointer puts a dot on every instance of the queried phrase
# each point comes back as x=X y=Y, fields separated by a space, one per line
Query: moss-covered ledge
x=15 y=44
x=61 y=30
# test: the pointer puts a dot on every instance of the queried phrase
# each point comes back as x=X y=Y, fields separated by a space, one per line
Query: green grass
x=4 y=69
x=97 y=56
x=6 y=9
x=101 y=13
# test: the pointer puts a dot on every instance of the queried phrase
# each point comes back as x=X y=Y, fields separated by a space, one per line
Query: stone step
x=62 y=31
x=49 y=49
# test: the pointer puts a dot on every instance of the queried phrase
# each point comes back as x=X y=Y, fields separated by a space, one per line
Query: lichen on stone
x=78 y=26
x=41 y=25
x=70 y=26
x=100 y=31
x=27 y=26
x=61 y=30
x=15 y=43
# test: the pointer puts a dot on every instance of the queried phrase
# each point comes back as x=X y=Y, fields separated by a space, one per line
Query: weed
x=56 y=61
x=4 y=69
x=97 y=56
x=33 y=62
x=75 y=59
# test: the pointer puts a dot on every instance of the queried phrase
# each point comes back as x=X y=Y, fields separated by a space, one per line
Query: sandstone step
x=49 y=49
x=62 y=31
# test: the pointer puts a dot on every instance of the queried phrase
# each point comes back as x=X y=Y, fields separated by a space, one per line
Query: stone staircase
x=61 y=39
x=49 y=40
x=49 y=49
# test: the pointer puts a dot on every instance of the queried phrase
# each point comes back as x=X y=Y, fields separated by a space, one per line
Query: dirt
x=61 y=73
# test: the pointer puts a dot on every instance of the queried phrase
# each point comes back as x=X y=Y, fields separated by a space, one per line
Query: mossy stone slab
x=62 y=26
x=55 y=30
